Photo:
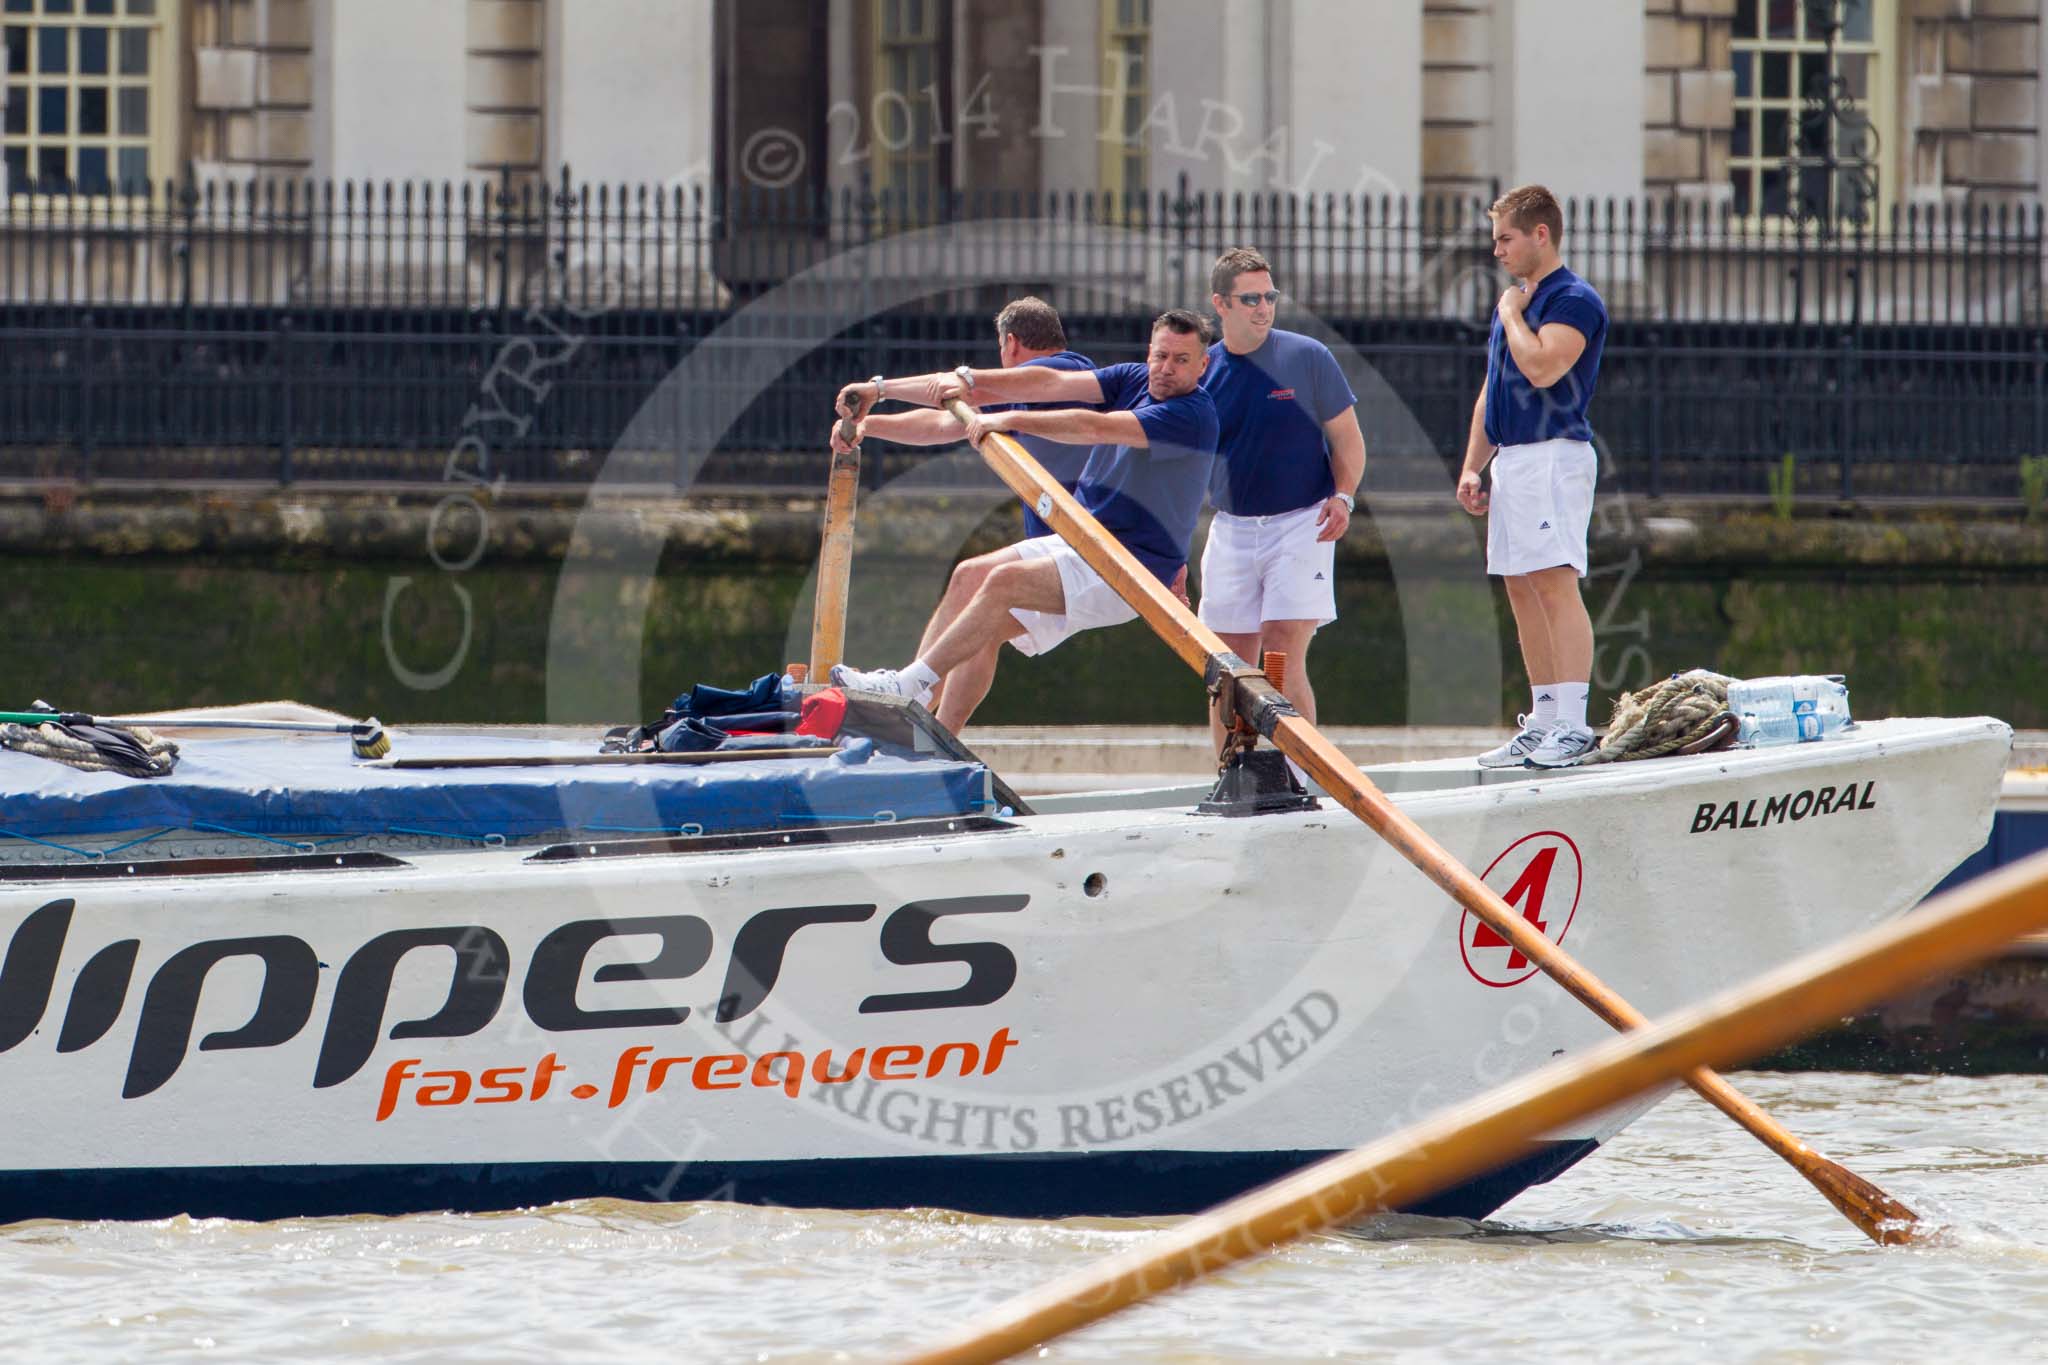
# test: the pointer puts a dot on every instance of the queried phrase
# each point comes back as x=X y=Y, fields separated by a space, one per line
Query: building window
x=911 y=84
x=1126 y=77
x=1811 y=109
x=86 y=107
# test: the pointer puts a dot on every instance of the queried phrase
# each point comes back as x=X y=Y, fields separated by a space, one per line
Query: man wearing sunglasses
x=1289 y=459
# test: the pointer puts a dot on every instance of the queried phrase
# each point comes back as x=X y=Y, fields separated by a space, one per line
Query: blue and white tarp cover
x=303 y=788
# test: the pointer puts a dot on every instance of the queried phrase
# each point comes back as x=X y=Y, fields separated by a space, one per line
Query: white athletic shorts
x=1259 y=569
x=1540 y=507
x=1090 y=601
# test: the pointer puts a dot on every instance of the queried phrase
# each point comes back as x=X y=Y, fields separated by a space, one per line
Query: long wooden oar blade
x=1251 y=696
x=1955 y=929
x=835 y=556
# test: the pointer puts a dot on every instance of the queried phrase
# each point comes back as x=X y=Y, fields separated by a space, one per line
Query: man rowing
x=1154 y=438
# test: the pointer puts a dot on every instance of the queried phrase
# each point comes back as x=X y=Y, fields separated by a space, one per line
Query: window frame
x=160 y=81
x=932 y=99
x=1882 y=52
x=1118 y=147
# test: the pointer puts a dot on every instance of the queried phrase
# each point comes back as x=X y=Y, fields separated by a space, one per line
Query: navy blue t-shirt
x=1149 y=496
x=1270 y=408
x=1063 y=462
x=1517 y=412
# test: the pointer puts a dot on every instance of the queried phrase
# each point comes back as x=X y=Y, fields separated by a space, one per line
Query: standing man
x=1542 y=361
x=1029 y=333
x=1154 y=439
x=1290 y=457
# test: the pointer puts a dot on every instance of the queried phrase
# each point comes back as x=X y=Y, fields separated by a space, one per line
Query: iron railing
x=509 y=328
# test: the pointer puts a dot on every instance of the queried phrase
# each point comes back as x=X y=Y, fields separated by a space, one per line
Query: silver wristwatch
x=1350 y=503
x=878 y=381
x=966 y=376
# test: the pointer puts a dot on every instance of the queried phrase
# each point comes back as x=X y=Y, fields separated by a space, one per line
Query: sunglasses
x=1254 y=300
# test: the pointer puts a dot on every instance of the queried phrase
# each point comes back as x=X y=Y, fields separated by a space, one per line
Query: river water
x=1683 y=1240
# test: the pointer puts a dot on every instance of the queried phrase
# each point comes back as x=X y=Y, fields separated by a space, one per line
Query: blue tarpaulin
x=301 y=788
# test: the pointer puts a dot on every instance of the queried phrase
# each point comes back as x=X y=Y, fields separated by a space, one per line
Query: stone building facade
x=1695 y=99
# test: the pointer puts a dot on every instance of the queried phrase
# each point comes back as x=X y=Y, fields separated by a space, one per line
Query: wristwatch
x=1350 y=503
x=966 y=376
x=878 y=381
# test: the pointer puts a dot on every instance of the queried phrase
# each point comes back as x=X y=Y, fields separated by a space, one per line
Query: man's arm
x=1546 y=356
x=1023 y=384
x=1478 y=451
x=1071 y=426
x=1347 y=469
x=924 y=427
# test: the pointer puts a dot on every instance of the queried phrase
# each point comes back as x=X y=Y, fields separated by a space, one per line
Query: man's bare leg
x=966 y=580
x=966 y=687
x=1532 y=628
x=1568 y=624
x=1292 y=639
x=1026 y=584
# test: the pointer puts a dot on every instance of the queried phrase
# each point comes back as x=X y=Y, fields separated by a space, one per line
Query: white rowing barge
x=280 y=983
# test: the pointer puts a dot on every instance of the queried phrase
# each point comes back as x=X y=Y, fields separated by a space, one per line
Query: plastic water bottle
x=790 y=690
x=1789 y=710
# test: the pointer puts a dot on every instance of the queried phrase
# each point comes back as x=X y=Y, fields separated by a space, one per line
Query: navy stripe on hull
x=1101 y=1184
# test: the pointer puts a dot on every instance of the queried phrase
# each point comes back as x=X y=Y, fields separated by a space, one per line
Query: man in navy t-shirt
x=1153 y=439
x=1542 y=362
x=1289 y=459
x=1028 y=332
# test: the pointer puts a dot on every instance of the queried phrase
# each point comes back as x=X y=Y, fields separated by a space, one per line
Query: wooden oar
x=835 y=553
x=1881 y=1217
x=1969 y=923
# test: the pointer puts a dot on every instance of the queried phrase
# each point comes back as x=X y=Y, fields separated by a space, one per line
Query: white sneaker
x=1562 y=747
x=1516 y=751
x=887 y=681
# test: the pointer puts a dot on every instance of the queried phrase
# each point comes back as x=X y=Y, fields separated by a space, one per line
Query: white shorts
x=1091 y=602
x=1540 y=507
x=1259 y=569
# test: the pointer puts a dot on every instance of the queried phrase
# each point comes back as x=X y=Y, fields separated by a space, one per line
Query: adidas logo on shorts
x=1544 y=527
x=1319 y=578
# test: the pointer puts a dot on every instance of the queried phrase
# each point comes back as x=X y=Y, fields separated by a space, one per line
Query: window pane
x=1855 y=69
x=99 y=6
x=1853 y=197
x=17 y=51
x=56 y=6
x=1745 y=75
x=1739 y=142
x=52 y=173
x=92 y=170
x=1777 y=75
x=135 y=52
x=92 y=51
x=1773 y=198
x=53 y=109
x=142 y=6
x=134 y=111
x=1784 y=19
x=1777 y=132
x=92 y=110
x=1813 y=135
x=1745 y=18
x=17 y=170
x=1813 y=192
x=1856 y=21
x=1739 y=179
x=134 y=170
x=17 y=109
x=53 y=50
x=1813 y=75
x=20 y=6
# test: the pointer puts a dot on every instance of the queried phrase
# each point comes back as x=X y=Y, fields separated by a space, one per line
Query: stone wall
x=1971 y=108
x=1457 y=97
x=252 y=89
x=504 y=81
x=1688 y=98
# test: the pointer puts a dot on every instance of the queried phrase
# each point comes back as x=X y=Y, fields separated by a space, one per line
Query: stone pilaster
x=1688 y=97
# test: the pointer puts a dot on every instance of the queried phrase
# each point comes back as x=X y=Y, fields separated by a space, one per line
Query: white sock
x=1542 y=704
x=1571 y=703
x=921 y=675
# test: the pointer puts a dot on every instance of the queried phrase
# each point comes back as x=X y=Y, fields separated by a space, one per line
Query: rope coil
x=1687 y=713
x=126 y=749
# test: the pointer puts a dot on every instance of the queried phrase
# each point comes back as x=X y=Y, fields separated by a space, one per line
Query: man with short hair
x=1154 y=437
x=1289 y=460
x=1542 y=362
